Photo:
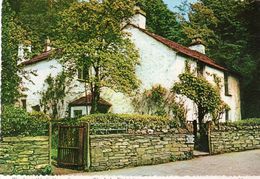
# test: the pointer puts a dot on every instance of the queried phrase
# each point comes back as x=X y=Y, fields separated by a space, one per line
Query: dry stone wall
x=23 y=155
x=118 y=151
x=236 y=138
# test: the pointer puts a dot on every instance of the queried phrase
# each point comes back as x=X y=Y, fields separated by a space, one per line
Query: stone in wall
x=24 y=155
x=234 y=138
x=119 y=151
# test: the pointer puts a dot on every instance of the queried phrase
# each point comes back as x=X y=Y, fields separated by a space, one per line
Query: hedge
x=136 y=120
x=244 y=122
x=17 y=122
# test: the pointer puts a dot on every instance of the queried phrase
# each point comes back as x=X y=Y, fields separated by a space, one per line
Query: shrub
x=17 y=122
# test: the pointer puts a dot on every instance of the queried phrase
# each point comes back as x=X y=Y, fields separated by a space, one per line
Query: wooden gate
x=71 y=144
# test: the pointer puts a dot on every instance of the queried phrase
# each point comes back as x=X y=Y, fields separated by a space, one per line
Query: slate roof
x=38 y=58
x=86 y=100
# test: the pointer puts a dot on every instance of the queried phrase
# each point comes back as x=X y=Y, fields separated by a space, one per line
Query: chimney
x=197 y=45
x=139 y=19
x=47 y=46
x=24 y=50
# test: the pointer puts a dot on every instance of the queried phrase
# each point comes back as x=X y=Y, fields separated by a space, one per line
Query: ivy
x=159 y=101
x=52 y=99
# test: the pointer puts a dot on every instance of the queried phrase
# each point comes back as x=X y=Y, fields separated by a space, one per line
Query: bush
x=17 y=122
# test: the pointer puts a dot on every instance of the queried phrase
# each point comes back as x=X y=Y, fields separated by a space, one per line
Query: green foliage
x=159 y=101
x=205 y=95
x=52 y=97
x=17 y=122
x=200 y=24
x=199 y=90
x=90 y=35
x=12 y=35
x=230 y=29
x=39 y=18
x=47 y=170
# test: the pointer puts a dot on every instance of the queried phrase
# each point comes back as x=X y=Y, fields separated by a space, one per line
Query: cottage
x=161 y=61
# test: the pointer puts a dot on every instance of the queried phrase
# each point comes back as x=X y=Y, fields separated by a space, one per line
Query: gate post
x=209 y=134
x=50 y=138
x=87 y=160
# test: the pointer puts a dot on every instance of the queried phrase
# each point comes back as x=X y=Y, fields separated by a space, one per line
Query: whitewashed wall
x=36 y=83
x=158 y=65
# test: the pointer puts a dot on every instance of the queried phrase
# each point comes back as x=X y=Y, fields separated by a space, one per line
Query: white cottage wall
x=159 y=64
x=36 y=84
x=233 y=100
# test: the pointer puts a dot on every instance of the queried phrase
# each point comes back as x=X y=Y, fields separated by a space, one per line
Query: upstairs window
x=83 y=73
x=200 y=68
x=226 y=84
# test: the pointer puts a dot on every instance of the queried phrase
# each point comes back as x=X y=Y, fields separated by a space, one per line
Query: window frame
x=226 y=84
x=200 y=68
x=83 y=73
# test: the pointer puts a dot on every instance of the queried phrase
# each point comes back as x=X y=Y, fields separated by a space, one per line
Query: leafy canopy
x=161 y=20
x=90 y=34
x=12 y=35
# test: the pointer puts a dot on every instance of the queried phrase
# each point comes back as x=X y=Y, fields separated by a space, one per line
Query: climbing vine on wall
x=205 y=95
x=53 y=97
x=159 y=101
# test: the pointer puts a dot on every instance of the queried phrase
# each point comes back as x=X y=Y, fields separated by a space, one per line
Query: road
x=245 y=163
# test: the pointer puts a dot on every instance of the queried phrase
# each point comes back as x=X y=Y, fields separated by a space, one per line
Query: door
x=71 y=146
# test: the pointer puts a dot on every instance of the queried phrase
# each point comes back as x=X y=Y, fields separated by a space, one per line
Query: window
x=83 y=73
x=226 y=84
x=200 y=68
x=226 y=115
x=77 y=113
x=24 y=103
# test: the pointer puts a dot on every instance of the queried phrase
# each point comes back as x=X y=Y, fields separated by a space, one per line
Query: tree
x=90 y=36
x=39 y=19
x=161 y=20
x=201 y=23
x=230 y=30
x=12 y=35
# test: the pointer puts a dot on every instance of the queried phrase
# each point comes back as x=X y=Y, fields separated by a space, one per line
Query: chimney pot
x=197 y=45
x=47 y=45
x=139 y=19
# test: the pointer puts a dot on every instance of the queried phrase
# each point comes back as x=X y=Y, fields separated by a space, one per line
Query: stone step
x=197 y=153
